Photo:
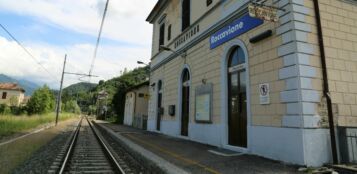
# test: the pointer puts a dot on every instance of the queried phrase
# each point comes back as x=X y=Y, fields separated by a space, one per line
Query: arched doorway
x=237 y=98
x=185 y=98
x=159 y=110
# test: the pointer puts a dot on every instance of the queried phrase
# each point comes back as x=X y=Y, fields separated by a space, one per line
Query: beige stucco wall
x=264 y=65
x=289 y=61
x=141 y=103
x=129 y=108
x=11 y=93
x=136 y=108
x=173 y=18
x=339 y=23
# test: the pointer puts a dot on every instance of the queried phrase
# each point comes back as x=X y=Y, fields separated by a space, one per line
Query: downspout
x=326 y=90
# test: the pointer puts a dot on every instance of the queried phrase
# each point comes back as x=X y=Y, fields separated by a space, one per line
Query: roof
x=146 y=83
x=11 y=86
x=156 y=10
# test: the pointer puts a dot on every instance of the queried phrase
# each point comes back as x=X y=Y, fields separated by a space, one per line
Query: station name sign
x=233 y=30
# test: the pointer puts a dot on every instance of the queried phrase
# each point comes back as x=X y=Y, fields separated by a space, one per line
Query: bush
x=41 y=102
x=72 y=107
x=18 y=110
x=4 y=109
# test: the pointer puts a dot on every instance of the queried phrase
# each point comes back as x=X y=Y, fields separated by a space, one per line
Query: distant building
x=102 y=101
x=11 y=94
x=254 y=79
x=136 y=106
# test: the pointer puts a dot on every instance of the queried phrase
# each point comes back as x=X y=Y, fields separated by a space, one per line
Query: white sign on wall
x=264 y=93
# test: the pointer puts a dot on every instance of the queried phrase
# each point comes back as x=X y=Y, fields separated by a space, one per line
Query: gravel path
x=42 y=159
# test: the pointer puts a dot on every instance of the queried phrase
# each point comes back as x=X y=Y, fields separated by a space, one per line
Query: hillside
x=29 y=87
x=79 y=88
x=81 y=93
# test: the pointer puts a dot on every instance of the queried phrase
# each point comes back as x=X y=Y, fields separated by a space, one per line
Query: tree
x=116 y=89
x=42 y=101
x=72 y=106
x=14 y=101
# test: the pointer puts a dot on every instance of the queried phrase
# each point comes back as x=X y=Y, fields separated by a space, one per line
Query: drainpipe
x=326 y=90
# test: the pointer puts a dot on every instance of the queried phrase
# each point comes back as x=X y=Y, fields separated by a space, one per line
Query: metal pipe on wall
x=326 y=90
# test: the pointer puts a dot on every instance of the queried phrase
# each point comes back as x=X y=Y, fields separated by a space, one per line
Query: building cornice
x=160 y=5
x=238 y=13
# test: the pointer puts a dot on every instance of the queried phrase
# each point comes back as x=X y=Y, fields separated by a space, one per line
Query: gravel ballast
x=41 y=160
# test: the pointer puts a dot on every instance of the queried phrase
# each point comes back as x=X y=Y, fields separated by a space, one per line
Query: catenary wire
x=28 y=52
x=98 y=39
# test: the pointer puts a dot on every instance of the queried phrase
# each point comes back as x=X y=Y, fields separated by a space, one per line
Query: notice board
x=203 y=103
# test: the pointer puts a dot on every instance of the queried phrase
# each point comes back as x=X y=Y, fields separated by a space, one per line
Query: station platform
x=185 y=156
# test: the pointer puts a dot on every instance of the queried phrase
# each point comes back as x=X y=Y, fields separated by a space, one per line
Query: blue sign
x=233 y=30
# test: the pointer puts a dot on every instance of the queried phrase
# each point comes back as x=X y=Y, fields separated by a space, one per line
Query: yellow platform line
x=175 y=155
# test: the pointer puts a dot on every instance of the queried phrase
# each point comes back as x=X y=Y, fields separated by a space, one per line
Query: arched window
x=186 y=14
x=237 y=98
x=236 y=57
x=185 y=77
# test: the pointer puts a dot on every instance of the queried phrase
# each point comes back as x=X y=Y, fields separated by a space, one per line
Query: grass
x=10 y=124
x=17 y=152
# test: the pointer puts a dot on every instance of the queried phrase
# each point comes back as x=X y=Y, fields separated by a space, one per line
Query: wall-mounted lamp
x=204 y=81
x=261 y=36
x=164 y=48
x=153 y=86
x=142 y=63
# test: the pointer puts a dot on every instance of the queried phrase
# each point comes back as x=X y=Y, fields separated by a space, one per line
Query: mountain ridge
x=29 y=86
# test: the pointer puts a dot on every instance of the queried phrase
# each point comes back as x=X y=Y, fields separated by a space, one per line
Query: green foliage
x=18 y=110
x=81 y=92
x=12 y=124
x=41 y=102
x=14 y=101
x=4 y=109
x=14 y=110
x=71 y=107
x=79 y=88
x=117 y=87
x=92 y=110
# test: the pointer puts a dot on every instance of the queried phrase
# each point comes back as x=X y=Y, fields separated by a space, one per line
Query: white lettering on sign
x=264 y=92
x=229 y=31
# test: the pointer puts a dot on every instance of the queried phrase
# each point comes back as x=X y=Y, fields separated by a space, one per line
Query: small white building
x=11 y=94
x=136 y=106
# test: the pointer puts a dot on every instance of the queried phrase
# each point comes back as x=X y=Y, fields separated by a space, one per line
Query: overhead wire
x=28 y=52
x=98 y=40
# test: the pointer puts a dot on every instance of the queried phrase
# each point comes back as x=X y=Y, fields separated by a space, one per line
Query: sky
x=49 y=29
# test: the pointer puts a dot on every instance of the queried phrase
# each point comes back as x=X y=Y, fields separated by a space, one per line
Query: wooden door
x=159 y=106
x=185 y=111
x=237 y=100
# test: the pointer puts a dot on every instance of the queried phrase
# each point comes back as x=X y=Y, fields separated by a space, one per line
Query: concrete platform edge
x=160 y=162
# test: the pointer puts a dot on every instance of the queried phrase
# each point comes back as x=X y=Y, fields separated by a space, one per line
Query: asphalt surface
x=195 y=157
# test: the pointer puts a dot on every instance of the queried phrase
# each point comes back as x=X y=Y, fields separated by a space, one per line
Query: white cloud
x=125 y=22
x=15 y=62
x=125 y=18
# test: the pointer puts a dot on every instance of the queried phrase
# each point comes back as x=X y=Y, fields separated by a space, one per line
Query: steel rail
x=106 y=149
x=70 y=148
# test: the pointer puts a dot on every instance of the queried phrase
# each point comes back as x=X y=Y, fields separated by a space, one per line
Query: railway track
x=87 y=152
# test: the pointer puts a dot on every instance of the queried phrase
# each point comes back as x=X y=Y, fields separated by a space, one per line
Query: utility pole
x=60 y=91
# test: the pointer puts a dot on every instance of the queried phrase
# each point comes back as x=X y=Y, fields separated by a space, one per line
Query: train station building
x=261 y=79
